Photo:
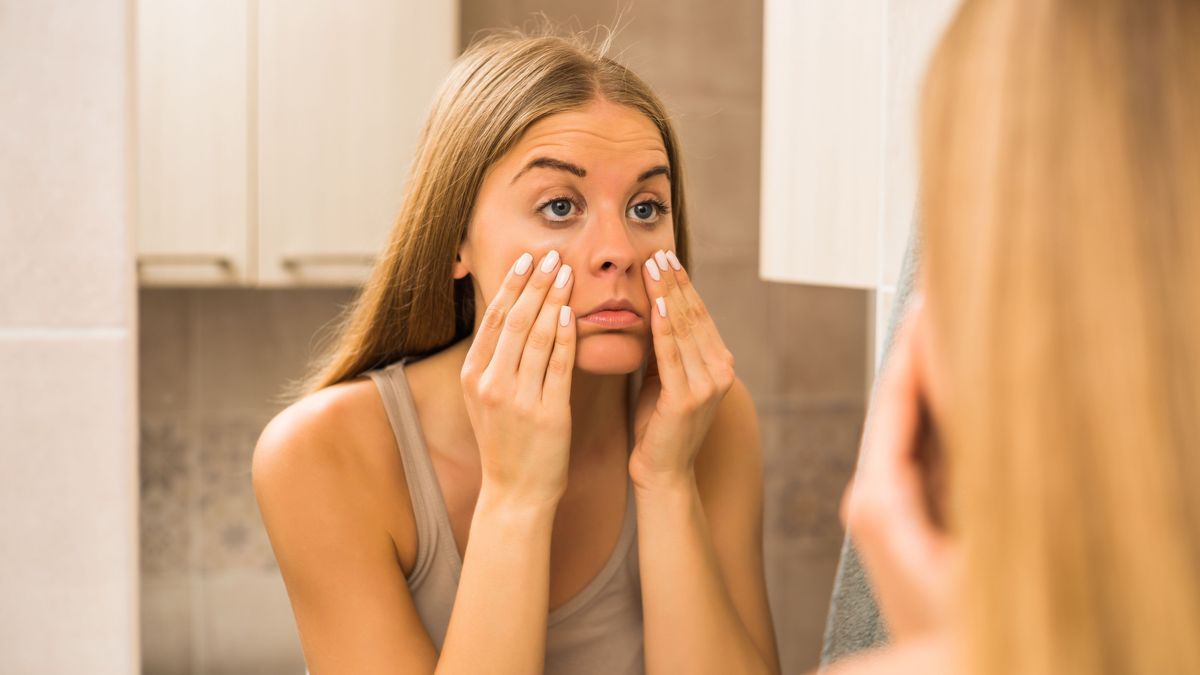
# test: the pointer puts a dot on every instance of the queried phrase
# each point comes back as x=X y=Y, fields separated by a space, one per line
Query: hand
x=887 y=508
x=516 y=381
x=689 y=374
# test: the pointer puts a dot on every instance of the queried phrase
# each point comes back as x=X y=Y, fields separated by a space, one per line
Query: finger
x=682 y=326
x=521 y=317
x=488 y=333
x=703 y=327
x=667 y=355
x=531 y=373
x=557 y=386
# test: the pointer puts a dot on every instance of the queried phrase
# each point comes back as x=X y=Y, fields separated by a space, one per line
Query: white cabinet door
x=841 y=85
x=822 y=155
x=192 y=166
x=343 y=88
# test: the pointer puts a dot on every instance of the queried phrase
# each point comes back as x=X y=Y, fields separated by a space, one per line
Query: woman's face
x=594 y=185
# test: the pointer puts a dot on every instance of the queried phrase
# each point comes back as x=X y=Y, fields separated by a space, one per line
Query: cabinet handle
x=292 y=262
x=222 y=261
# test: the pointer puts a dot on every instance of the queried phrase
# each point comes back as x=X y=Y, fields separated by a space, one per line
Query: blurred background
x=193 y=190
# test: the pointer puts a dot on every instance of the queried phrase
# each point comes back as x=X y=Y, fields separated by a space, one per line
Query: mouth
x=614 y=314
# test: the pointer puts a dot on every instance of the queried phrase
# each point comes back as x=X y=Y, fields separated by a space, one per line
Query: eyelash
x=660 y=207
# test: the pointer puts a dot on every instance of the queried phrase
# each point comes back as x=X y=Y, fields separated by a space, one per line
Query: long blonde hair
x=498 y=88
x=1061 y=204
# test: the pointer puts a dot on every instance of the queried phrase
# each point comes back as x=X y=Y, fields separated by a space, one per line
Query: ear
x=927 y=359
x=462 y=266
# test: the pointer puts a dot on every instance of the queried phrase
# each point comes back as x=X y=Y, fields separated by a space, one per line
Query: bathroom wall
x=68 y=453
x=211 y=361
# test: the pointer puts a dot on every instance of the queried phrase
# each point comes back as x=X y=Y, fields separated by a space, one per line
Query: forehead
x=601 y=128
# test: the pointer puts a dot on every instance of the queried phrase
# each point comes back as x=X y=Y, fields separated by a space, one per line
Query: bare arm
x=701 y=556
x=697 y=474
x=353 y=607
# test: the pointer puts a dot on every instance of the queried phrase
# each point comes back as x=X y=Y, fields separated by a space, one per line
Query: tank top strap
x=435 y=538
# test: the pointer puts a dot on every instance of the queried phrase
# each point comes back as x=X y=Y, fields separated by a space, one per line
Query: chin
x=610 y=353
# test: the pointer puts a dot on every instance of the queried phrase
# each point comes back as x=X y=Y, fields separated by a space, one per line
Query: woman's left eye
x=647 y=211
x=557 y=209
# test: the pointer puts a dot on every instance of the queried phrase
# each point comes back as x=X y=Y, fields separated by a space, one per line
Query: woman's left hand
x=689 y=374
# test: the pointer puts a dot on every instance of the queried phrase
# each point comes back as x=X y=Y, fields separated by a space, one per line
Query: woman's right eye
x=557 y=209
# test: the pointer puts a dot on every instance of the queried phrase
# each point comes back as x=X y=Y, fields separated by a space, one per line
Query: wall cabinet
x=841 y=84
x=274 y=137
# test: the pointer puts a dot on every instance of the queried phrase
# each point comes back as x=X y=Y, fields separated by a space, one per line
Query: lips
x=615 y=313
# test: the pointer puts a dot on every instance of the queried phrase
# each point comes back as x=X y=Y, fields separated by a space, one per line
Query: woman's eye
x=558 y=209
x=647 y=212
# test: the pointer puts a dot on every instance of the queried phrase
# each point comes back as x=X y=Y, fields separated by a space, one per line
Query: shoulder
x=335 y=445
x=330 y=427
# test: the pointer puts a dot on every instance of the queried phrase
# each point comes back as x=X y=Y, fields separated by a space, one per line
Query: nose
x=608 y=248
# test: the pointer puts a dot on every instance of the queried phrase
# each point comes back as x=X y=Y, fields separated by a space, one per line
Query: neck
x=598 y=410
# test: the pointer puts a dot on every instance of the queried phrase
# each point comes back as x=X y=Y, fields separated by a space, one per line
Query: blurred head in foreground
x=1061 y=226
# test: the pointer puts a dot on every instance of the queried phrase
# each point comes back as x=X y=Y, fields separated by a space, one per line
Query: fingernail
x=564 y=273
x=564 y=315
x=550 y=261
x=662 y=259
x=653 y=270
x=523 y=264
x=662 y=306
x=674 y=261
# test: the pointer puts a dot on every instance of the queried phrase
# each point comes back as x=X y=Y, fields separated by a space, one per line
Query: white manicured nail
x=653 y=270
x=662 y=259
x=674 y=261
x=564 y=273
x=550 y=261
x=662 y=306
x=523 y=264
x=564 y=315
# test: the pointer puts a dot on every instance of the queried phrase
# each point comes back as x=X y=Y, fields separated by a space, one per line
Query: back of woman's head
x=500 y=87
x=1061 y=205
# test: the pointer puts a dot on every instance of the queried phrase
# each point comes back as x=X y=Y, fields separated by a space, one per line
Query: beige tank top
x=599 y=630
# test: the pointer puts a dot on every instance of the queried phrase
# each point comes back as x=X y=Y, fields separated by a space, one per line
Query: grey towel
x=853 y=623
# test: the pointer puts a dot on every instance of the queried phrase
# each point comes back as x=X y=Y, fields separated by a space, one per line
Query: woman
x=480 y=479
x=1056 y=354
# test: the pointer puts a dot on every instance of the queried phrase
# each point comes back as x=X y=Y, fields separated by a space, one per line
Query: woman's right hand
x=516 y=381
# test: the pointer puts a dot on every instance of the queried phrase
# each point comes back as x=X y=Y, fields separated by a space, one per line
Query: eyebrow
x=550 y=163
x=559 y=165
x=660 y=170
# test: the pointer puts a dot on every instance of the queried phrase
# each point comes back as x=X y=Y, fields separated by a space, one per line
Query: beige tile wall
x=212 y=360
x=68 y=505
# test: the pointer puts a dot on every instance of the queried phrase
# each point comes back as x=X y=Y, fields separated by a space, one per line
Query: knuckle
x=493 y=317
x=525 y=407
x=489 y=397
x=723 y=374
x=518 y=321
x=467 y=377
x=558 y=364
x=540 y=339
x=672 y=355
x=488 y=391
